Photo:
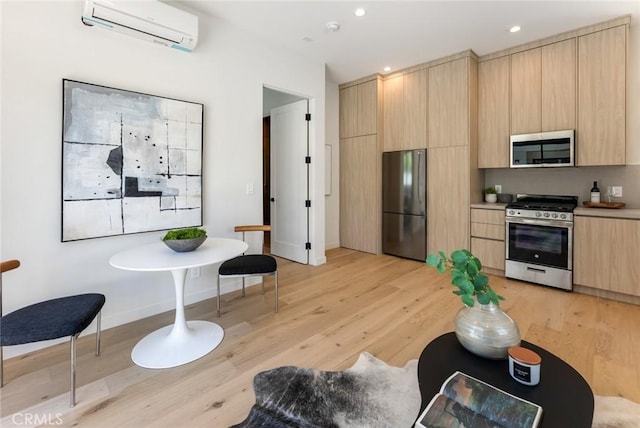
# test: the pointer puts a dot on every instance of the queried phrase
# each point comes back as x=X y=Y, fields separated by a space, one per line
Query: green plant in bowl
x=184 y=240
x=186 y=233
x=490 y=191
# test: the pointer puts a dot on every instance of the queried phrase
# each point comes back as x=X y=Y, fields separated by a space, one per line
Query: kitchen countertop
x=628 y=213
x=490 y=206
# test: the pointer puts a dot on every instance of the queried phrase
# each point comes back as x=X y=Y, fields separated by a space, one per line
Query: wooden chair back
x=5 y=267
x=253 y=228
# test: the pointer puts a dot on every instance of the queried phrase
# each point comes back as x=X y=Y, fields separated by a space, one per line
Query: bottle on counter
x=595 y=193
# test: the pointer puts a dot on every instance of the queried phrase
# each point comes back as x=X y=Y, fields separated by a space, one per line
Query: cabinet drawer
x=490 y=252
x=479 y=215
x=491 y=231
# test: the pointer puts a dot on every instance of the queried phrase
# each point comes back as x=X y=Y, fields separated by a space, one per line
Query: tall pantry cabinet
x=360 y=164
x=454 y=181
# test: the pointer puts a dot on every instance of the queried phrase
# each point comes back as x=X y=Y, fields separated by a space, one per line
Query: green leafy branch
x=465 y=274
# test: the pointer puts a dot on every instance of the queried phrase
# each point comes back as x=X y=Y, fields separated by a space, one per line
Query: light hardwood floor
x=356 y=302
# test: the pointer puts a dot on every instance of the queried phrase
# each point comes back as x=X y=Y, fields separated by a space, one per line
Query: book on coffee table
x=465 y=401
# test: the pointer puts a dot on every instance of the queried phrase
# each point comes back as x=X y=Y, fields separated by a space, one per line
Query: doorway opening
x=282 y=160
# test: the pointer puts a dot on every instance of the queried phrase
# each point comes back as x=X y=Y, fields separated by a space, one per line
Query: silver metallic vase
x=486 y=330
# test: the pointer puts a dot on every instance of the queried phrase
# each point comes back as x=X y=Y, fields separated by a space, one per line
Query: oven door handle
x=556 y=223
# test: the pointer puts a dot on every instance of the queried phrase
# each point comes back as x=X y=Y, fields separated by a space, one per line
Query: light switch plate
x=498 y=188
x=617 y=191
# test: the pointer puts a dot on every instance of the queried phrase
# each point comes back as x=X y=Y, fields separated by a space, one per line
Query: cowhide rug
x=369 y=394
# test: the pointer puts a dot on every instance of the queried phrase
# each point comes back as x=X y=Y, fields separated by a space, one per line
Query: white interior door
x=289 y=181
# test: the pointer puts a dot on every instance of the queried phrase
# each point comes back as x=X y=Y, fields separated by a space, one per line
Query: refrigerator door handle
x=420 y=175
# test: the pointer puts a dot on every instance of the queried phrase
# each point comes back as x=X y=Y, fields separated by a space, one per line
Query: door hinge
x=307 y=159
x=307 y=203
x=307 y=246
x=307 y=117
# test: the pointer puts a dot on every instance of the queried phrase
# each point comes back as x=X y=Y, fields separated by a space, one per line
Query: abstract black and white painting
x=131 y=162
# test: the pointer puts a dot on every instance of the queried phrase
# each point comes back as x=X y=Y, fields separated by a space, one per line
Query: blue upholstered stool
x=51 y=319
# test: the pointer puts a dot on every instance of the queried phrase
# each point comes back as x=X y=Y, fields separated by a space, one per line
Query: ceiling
x=400 y=34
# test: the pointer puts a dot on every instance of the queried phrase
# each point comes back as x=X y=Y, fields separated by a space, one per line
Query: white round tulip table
x=184 y=341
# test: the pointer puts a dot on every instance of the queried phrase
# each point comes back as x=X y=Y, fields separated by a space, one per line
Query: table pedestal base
x=165 y=348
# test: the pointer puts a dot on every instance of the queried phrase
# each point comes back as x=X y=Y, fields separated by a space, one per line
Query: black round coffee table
x=565 y=397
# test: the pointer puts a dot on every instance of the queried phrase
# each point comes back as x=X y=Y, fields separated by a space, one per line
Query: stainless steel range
x=539 y=239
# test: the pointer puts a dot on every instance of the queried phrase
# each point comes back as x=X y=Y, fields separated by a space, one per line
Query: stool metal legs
x=72 y=391
x=274 y=274
x=98 y=331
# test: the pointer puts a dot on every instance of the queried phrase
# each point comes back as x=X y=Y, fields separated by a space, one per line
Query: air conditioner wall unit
x=149 y=20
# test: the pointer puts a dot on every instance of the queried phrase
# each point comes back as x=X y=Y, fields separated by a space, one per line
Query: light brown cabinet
x=559 y=86
x=487 y=237
x=360 y=166
x=449 y=102
x=358 y=109
x=360 y=193
x=526 y=95
x=448 y=199
x=601 y=97
x=577 y=83
x=452 y=174
x=543 y=88
x=493 y=113
x=607 y=255
x=405 y=111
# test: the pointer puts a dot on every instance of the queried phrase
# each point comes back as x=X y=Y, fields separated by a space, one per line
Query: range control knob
x=563 y=216
x=511 y=212
x=546 y=214
x=538 y=214
x=554 y=215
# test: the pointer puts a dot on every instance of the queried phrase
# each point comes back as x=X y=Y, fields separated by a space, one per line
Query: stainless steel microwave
x=543 y=149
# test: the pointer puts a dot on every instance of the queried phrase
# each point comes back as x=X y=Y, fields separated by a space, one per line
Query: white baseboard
x=227 y=286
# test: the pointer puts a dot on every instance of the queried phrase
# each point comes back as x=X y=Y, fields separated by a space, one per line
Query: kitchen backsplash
x=569 y=181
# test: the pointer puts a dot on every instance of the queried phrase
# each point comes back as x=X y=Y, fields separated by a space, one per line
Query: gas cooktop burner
x=545 y=202
x=543 y=206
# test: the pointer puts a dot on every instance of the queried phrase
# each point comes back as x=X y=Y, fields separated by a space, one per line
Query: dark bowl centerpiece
x=184 y=240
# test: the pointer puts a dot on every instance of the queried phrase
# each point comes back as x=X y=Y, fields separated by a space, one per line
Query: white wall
x=44 y=42
x=273 y=98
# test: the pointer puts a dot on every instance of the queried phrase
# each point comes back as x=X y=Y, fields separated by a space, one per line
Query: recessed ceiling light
x=387 y=69
x=307 y=39
x=514 y=29
x=360 y=12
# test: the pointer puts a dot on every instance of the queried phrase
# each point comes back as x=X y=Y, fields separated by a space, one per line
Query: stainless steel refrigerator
x=404 y=204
